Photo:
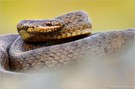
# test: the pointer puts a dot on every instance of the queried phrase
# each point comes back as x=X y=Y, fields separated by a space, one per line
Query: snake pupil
x=48 y=24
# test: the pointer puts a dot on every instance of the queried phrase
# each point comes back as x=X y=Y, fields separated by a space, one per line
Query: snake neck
x=26 y=46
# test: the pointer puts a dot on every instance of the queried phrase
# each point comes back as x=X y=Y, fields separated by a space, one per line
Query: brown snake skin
x=17 y=55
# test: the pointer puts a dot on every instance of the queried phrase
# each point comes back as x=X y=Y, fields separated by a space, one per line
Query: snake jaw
x=24 y=34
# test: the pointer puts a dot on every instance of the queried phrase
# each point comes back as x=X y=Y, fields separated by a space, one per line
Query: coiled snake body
x=56 y=42
x=23 y=53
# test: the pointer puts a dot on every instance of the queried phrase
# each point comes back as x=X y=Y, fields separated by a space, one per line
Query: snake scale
x=54 y=43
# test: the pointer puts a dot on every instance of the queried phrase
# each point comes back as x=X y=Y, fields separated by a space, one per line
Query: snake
x=34 y=47
x=54 y=43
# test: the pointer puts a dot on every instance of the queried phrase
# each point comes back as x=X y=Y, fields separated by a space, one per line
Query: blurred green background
x=105 y=14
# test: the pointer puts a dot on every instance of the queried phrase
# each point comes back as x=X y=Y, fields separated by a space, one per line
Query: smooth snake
x=54 y=43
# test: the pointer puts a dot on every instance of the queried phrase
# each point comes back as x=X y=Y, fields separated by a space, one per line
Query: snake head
x=39 y=26
x=29 y=28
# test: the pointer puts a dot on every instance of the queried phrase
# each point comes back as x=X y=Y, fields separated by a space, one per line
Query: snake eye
x=49 y=24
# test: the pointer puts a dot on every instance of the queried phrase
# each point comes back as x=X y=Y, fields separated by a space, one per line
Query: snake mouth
x=42 y=29
x=40 y=26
